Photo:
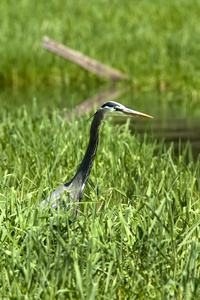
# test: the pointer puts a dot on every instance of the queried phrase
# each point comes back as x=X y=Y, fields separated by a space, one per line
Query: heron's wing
x=61 y=196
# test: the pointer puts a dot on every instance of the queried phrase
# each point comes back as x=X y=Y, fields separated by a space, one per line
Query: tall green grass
x=137 y=235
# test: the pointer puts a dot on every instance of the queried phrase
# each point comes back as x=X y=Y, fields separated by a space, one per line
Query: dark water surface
x=182 y=132
x=176 y=118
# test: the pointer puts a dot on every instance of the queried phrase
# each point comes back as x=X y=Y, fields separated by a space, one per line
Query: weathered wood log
x=83 y=61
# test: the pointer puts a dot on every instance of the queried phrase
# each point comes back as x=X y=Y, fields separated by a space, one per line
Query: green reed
x=137 y=234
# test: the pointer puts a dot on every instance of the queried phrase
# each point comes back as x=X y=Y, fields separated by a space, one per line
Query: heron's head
x=111 y=108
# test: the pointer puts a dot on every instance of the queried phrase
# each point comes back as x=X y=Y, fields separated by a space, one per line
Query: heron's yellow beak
x=133 y=113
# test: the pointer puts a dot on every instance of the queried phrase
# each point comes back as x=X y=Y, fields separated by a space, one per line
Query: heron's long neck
x=85 y=167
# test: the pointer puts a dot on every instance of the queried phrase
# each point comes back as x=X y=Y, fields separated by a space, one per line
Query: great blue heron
x=72 y=191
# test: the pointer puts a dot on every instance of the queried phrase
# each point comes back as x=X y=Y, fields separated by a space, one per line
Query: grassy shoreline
x=137 y=235
x=143 y=242
x=155 y=44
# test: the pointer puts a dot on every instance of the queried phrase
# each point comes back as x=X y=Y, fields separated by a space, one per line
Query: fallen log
x=83 y=61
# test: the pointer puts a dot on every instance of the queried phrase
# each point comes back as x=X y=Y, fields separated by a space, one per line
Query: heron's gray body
x=73 y=190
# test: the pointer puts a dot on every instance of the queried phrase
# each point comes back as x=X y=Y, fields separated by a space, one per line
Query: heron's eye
x=117 y=108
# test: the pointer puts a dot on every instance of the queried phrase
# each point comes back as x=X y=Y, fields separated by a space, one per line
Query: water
x=181 y=131
x=175 y=117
